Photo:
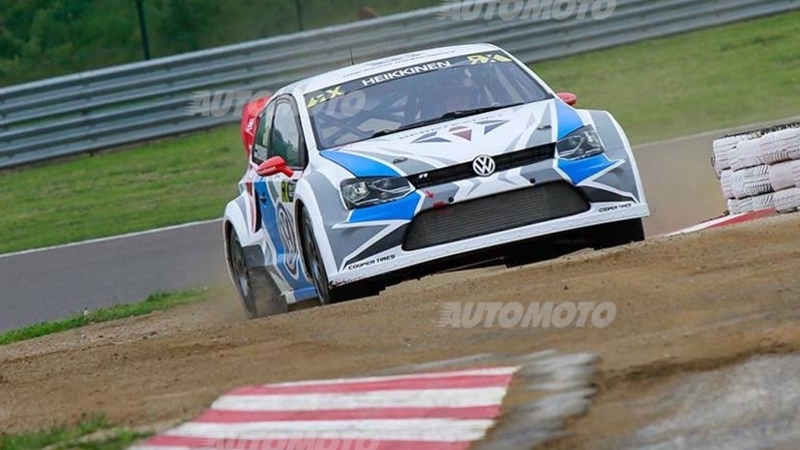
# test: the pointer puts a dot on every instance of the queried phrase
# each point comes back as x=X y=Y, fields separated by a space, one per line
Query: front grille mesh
x=493 y=214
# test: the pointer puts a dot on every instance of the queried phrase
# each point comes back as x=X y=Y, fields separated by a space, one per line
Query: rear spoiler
x=250 y=115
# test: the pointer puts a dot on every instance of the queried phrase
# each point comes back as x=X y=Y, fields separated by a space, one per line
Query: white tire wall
x=763 y=201
x=782 y=145
x=727 y=183
x=736 y=206
x=748 y=154
x=741 y=205
x=751 y=182
x=782 y=176
x=759 y=169
x=796 y=172
x=723 y=154
x=787 y=200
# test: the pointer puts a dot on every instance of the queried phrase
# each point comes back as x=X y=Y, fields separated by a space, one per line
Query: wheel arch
x=227 y=230
x=235 y=221
x=299 y=207
x=610 y=130
x=316 y=193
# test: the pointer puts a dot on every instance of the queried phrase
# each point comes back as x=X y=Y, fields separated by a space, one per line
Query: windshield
x=418 y=95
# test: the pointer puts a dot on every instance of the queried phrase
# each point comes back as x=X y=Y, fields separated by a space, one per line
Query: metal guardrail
x=125 y=104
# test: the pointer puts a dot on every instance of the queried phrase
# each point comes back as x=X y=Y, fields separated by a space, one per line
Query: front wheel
x=319 y=276
x=258 y=292
x=314 y=263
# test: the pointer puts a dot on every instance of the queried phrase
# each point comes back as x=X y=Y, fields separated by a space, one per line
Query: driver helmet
x=460 y=92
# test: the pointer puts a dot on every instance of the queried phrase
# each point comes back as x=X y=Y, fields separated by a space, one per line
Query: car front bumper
x=398 y=259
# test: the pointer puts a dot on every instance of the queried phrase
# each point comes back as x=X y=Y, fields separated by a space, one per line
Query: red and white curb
x=442 y=411
x=732 y=219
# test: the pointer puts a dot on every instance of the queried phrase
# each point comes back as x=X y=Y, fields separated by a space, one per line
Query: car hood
x=458 y=141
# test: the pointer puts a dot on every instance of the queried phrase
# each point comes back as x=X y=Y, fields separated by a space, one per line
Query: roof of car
x=381 y=65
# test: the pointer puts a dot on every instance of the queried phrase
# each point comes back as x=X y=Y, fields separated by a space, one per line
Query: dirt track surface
x=684 y=304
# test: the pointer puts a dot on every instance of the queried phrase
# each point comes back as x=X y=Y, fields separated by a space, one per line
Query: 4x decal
x=328 y=94
x=488 y=58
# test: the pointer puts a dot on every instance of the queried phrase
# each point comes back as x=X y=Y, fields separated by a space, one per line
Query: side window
x=261 y=144
x=286 y=140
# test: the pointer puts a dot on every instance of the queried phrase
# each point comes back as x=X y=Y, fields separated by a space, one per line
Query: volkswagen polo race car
x=405 y=166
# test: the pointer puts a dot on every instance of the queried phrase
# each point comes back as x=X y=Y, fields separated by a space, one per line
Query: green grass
x=155 y=302
x=93 y=433
x=159 y=184
x=727 y=76
x=685 y=84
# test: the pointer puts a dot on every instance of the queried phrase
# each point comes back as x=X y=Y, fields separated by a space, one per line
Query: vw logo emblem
x=483 y=165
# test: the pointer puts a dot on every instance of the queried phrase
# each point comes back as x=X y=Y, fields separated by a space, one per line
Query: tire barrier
x=760 y=169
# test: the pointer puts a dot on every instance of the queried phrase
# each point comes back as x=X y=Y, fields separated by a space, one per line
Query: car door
x=258 y=153
x=282 y=137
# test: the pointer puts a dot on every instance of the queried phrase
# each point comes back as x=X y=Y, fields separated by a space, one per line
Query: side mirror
x=274 y=165
x=569 y=98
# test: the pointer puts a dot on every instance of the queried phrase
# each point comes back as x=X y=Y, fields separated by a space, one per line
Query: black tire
x=313 y=261
x=619 y=233
x=258 y=292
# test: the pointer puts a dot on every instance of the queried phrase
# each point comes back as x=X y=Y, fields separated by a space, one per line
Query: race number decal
x=286 y=231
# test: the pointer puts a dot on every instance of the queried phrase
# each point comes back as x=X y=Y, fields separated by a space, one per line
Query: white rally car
x=398 y=168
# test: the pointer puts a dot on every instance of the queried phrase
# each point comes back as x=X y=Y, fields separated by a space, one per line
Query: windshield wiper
x=421 y=123
x=446 y=116
x=473 y=112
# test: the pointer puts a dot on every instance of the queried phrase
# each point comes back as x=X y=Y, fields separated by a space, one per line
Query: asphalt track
x=56 y=282
x=53 y=283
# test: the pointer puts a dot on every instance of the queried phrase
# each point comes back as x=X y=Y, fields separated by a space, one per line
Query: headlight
x=581 y=143
x=372 y=191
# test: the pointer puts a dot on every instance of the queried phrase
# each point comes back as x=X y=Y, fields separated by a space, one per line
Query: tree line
x=46 y=38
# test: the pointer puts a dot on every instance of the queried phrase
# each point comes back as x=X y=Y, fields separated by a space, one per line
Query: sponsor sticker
x=370 y=262
x=287 y=191
x=614 y=207
x=399 y=73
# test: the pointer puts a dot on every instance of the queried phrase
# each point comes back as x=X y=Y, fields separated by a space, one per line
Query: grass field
x=155 y=302
x=663 y=88
x=92 y=433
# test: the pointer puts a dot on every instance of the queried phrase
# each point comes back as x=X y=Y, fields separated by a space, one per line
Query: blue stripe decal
x=581 y=169
x=269 y=218
x=305 y=293
x=360 y=166
x=568 y=119
x=401 y=209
